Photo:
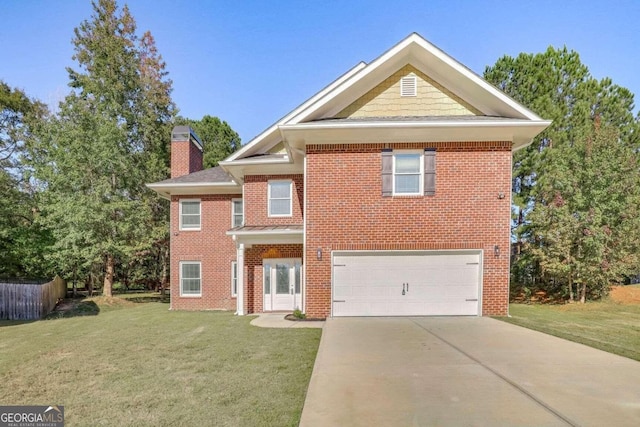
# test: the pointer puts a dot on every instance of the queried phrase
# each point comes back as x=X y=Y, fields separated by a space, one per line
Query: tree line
x=73 y=200
x=576 y=188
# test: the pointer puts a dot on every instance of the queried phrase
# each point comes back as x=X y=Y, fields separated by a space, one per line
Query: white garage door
x=424 y=283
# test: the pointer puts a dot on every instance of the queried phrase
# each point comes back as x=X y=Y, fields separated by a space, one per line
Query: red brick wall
x=211 y=246
x=254 y=273
x=256 y=203
x=345 y=210
x=186 y=158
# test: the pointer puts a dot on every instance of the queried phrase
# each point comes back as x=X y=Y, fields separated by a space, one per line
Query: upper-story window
x=407 y=173
x=280 y=198
x=237 y=213
x=190 y=214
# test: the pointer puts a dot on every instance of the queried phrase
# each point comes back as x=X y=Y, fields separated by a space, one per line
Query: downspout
x=304 y=235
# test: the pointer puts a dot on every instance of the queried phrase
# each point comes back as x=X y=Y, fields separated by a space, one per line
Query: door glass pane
x=282 y=279
x=298 y=278
x=267 y=279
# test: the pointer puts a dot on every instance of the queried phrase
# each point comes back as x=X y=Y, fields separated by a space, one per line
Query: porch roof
x=267 y=234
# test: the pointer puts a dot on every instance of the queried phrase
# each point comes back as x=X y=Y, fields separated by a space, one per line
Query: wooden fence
x=27 y=301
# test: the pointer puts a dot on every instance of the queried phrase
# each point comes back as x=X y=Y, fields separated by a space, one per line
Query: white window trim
x=233 y=212
x=290 y=214
x=198 y=295
x=181 y=227
x=420 y=153
x=234 y=278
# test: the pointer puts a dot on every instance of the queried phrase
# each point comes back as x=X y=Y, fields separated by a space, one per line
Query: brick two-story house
x=385 y=194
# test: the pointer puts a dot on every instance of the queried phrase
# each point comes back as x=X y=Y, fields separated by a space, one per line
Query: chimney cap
x=185 y=133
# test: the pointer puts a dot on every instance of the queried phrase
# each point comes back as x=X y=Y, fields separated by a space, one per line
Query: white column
x=240 y=264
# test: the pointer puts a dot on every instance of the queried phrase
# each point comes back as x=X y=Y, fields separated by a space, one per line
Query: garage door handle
x=472 y=299
x=339 y=300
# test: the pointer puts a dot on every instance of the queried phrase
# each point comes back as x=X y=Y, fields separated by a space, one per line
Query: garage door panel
x=371 y=284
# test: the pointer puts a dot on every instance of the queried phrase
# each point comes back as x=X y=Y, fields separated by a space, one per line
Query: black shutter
x=387 y=172
x=429 y=171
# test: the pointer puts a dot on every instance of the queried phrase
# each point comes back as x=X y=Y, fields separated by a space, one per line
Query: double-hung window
x=190 y=214
x=279 y=198
x=407 y=173
x=190 y=279
x=237 y=213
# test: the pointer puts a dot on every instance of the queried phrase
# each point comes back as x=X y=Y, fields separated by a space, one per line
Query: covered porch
x=270 y=272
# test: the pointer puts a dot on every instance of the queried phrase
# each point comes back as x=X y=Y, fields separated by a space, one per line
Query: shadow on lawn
x=4 y=323
x=142 y=299
x=74 y=308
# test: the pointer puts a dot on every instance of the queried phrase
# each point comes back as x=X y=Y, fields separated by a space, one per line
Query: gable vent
x=409 y=85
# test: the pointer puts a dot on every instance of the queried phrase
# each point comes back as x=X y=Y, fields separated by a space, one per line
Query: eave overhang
x=179 y=189
x=262 y=235
x=519 y=131
x=241 y=167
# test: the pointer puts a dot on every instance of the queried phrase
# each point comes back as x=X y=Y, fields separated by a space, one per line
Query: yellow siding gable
x=385 y=101
x=278 y=149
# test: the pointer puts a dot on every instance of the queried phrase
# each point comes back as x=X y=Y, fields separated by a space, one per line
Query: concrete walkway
x=277 y=320
x=472 y=371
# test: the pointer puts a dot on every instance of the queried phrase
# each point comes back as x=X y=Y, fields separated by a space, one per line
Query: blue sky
x=251 y=62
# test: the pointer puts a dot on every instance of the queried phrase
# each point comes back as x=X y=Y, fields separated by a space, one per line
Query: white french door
x=282 y=284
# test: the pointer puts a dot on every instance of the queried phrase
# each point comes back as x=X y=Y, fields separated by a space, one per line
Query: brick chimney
x=186 y=151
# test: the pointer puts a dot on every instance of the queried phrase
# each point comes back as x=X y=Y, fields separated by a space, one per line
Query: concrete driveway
x=473 y=371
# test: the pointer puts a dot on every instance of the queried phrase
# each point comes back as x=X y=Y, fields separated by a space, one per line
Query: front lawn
x=606 y=325
x=134 y=364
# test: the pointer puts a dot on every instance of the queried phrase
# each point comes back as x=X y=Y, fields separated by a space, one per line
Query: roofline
x=252 y=161
x=426 y=52
x=273 y=128
x=167 y=190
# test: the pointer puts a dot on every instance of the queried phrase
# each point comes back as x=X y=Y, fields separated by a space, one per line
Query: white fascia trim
x=250 y=162
x=469 y=74
x=274 y=128
x=416 y=124
x=265 y=232
x=166 y=190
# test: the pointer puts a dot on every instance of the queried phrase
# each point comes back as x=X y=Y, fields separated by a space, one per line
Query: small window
x=279 y=198
x=409 y=85
x=190 y=279
x=237 y=213
x=189 y=214
x=234 y=278
x=407 y=173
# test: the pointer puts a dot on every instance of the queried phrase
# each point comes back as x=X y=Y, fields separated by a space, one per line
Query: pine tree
x=547 y=223
x=109 y=138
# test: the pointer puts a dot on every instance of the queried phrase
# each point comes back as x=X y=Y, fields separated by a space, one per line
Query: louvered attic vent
x=409 y=85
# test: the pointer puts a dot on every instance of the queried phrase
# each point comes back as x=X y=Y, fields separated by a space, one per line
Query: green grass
x=137 y=364
x=605 y=325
